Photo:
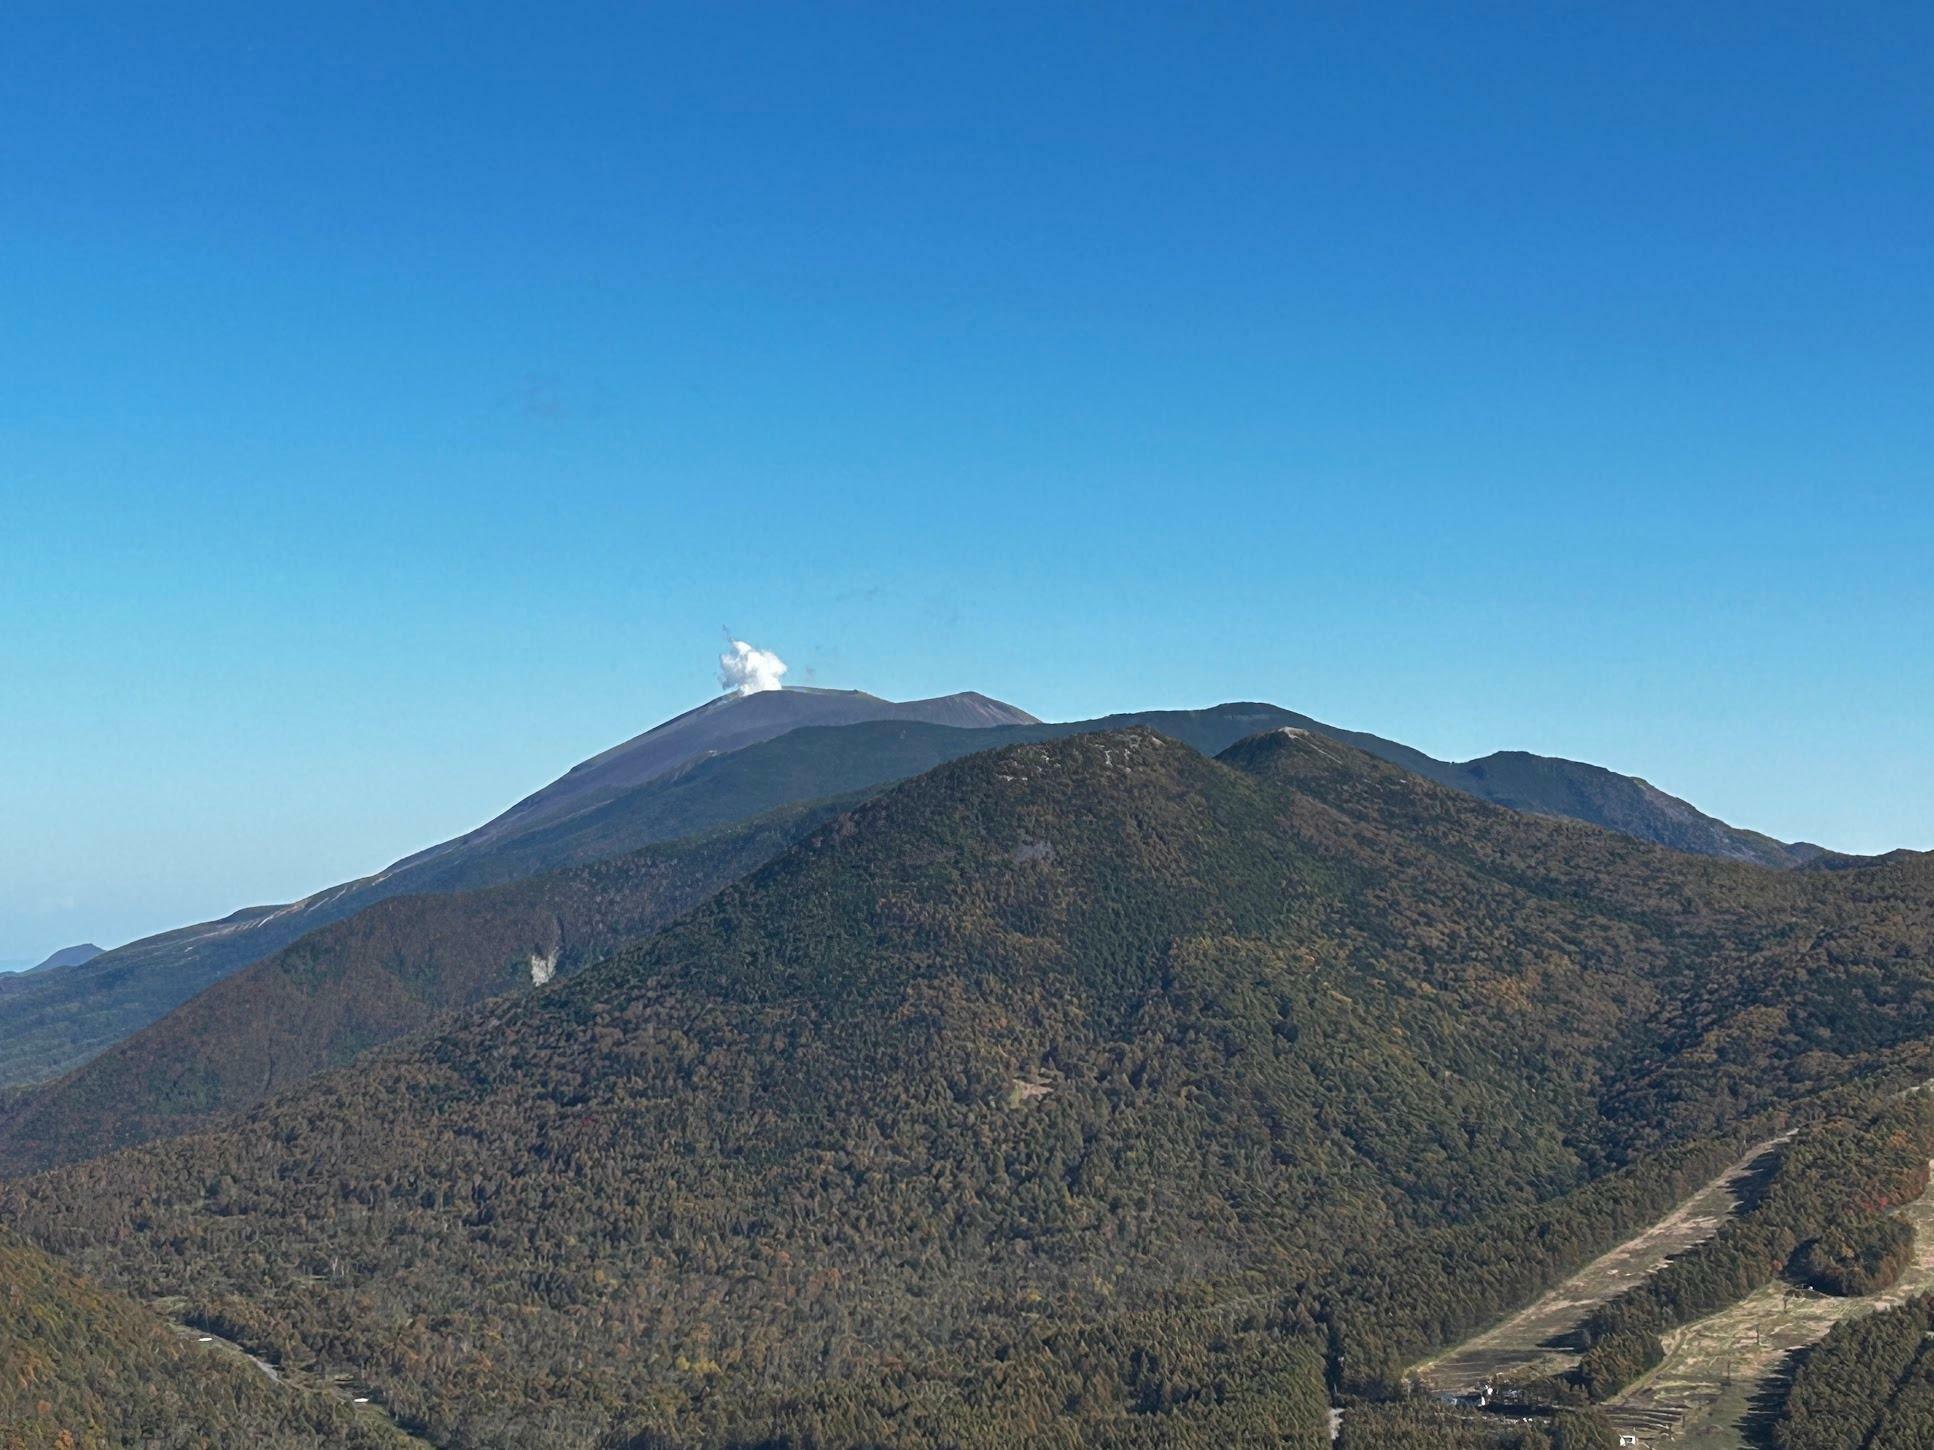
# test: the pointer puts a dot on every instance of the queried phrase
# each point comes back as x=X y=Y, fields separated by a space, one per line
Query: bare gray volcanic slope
x=51 y=1020
x=730 y=722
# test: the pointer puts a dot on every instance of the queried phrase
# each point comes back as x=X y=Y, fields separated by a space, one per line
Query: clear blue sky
x=395 y=400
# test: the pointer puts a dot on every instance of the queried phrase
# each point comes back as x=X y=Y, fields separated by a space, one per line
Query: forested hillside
x=388 y=969
x=1831 y=1177
x=84 y=1369
x=1870 y=1382
x=51 y=1021
x=391 y=969
x=669 y=783
x=1085 y=1083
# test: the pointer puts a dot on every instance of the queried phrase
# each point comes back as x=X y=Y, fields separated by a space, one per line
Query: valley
x=1530 y=1343
x=1718 y=1371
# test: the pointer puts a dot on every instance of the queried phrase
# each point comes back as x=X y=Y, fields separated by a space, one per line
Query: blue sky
x=395 y=401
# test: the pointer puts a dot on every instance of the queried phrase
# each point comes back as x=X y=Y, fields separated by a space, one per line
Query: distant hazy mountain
x=51 y=1020
x=728 y=761
x=69 y=957
x=389 y=970
x=731 y=722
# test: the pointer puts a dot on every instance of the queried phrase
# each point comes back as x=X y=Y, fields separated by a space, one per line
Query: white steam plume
x=746 y=671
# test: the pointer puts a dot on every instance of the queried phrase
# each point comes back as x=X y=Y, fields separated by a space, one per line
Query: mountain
x=1082 y=1086
x=81 y=1366
x=66 y=1018
x=1621 y=803
x=51 y=1021
x=69 y=957
x=695 y=773
x=179 y=1073
x=1541 y=785
x=728 y=723
x=389 y=970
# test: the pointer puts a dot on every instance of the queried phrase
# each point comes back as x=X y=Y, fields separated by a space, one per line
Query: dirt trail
x=339 y=1388
x=1522 y=1345
x=218 y=1345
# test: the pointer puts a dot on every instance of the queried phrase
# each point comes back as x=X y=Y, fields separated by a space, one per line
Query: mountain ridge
x=1048 y=1087
x=723 y=724
x=240 y=1037
x=49 y=1022
x=388 y=970
x=58 y=1019
x=72 y=956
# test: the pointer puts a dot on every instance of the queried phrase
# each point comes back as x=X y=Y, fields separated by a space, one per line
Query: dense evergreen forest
x=82 y=1368
x=1858 y=1258
x=1086 y=1089
x=1870 y=1382
x=1420 y=1425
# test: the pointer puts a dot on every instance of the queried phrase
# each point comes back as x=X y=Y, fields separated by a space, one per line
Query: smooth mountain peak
x=1292 y=745
x=729 y=722
x=72 y=956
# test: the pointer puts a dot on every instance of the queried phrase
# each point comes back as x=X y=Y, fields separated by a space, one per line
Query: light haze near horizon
x=397 y=400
